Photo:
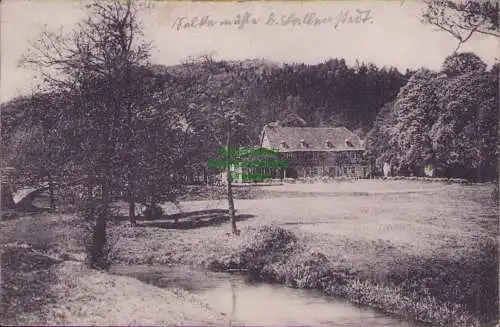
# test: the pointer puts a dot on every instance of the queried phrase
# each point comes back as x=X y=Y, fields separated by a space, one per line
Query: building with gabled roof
x=316 y=151
x=292 y=139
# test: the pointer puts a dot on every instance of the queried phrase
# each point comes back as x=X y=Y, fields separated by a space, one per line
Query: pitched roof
x=314 y=138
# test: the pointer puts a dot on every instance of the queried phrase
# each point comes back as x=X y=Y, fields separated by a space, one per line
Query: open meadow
x=423 y=251
x=421 y=241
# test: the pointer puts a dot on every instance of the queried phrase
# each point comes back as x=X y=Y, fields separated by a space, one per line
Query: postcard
x=250 y=163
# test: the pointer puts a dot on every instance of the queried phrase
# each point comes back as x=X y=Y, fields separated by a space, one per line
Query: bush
x=153 y=212
x=270 y=244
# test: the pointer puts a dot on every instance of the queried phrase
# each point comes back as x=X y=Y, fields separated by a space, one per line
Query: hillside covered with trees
x=191 y=97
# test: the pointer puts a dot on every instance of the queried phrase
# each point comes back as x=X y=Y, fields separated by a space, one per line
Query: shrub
x=270 y=244
x=311 y=271
x=153 y=211
x=469 y=279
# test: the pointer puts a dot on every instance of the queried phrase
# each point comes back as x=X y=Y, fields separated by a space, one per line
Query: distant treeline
x=448 y=119
x=327 y=94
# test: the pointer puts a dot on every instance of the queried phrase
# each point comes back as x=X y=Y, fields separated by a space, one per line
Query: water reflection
x=259 y=303
x=233 y=293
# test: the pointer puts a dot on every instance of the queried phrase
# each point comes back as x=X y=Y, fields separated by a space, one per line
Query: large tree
x=465 y=134
x=378 y=148
x=95 y=64
x=218 y=114
x=448 y=119
x=416 y=110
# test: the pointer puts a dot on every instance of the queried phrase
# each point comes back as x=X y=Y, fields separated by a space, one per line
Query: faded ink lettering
x=240 y=21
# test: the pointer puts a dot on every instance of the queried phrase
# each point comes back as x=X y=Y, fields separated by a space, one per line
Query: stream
x=260 y=303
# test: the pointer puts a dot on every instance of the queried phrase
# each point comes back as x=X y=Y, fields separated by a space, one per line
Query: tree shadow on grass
x=193 y=219
x=21 y=212
x=25 y=285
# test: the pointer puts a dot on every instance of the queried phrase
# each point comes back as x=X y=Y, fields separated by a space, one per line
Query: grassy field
x=421 y=250
x=424 y=251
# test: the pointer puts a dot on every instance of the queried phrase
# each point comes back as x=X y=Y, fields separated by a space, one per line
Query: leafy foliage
x=461 y=63
x=447 y=119
x=415 y=109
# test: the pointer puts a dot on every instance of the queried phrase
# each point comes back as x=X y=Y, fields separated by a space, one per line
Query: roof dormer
x=303 y=143
x=348 y=144
x=328 y=144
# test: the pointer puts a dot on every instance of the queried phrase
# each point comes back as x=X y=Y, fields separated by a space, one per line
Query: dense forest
x=445 y=118
x=327 y=94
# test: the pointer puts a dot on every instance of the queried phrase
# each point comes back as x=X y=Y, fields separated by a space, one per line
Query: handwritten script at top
x=240 y=21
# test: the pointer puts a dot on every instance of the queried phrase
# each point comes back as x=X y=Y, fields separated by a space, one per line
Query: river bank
x=416 y=251
x=246 y=302
x=421 y=252
x=45 y=282
x=434 y=290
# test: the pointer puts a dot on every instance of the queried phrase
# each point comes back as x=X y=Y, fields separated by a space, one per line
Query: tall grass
x=444 y=291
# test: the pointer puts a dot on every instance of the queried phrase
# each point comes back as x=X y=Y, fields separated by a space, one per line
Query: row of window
x=331 y=171
x=318 y=155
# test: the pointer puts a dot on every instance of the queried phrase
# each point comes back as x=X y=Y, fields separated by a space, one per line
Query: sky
x=388 y=33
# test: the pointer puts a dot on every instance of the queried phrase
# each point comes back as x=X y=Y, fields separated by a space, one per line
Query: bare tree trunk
x=230 y=199
x=131 y=203
x=131 y=212
x=99 y=260
x=7 y=198
x=51 y=193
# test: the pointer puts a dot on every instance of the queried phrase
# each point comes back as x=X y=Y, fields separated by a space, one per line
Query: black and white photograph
x=249 y=163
